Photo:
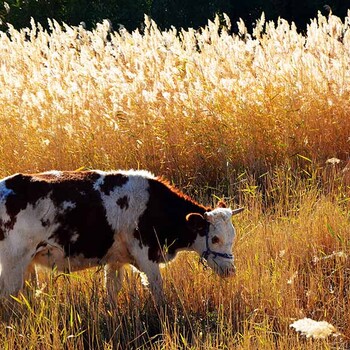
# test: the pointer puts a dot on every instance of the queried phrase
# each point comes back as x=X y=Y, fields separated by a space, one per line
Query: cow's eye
x=215 y=240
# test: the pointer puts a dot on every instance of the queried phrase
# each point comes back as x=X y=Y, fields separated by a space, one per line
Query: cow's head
x=215 y=239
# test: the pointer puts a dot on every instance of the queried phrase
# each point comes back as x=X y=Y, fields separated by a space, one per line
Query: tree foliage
x=166 y=13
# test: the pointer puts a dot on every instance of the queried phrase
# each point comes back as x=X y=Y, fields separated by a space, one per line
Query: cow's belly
x=53 y=257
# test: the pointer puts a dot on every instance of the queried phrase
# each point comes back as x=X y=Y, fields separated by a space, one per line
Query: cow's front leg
x=11 y=281
x=152 y=271
x=13 y=269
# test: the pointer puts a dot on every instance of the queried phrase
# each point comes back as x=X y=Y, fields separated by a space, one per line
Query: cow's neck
x=187 y=239
x=163 y=226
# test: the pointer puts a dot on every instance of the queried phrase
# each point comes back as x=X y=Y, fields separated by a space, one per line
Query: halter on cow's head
x=216 y=246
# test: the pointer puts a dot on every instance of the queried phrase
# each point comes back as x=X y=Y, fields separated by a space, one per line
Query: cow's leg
x=152 y=271
x=13 y=269
x=16 y=254
x=114 y=276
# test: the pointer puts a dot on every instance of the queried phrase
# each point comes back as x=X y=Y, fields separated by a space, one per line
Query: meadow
x=260 y=119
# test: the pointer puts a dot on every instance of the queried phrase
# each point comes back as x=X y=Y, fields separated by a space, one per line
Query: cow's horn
x=237 y=211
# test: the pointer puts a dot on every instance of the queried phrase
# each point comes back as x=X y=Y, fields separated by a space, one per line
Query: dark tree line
x=166 y=13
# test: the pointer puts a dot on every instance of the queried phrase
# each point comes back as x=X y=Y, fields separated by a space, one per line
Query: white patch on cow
x=20 y=245
x=150 y=268
x=142 y=275
x=68 y=205
x=100 y=180
x=29 y=221
x=74 y=237
x=136 y=190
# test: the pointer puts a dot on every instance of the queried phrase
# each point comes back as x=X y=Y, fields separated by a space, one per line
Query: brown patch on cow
x=197 y=222
x=86 y=222
x=2 y=230
x=111 y=181
x=163 y=223
x=64 y=176
x=123 y=202
x=24 y=192
x=45 y=223
x=28 y=189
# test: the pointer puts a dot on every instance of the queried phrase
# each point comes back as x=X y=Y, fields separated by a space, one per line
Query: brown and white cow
x=75 y=220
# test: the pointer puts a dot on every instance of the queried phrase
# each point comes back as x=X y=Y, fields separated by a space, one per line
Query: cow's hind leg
x=114 y=276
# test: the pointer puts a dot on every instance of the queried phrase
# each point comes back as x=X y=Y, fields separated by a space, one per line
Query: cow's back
x=83 y=212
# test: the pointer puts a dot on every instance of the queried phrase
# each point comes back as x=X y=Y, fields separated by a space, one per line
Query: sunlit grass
x=250 y=117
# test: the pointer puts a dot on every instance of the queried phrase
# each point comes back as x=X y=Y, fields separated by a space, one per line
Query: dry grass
x=290 y=266
x=204 y=108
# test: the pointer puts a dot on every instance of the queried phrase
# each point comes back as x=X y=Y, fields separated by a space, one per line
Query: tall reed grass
x=188 y=104
x=254 y=115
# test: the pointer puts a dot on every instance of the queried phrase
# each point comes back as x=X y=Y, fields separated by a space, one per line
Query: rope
x=208 y=251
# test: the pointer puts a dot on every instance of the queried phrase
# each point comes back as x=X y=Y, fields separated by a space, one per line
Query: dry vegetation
x=254 y=115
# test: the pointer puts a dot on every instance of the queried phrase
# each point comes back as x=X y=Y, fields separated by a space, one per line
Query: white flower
x=314 y=329
x=333 y=161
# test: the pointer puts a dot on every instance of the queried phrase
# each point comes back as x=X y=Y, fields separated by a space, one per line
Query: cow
x=72 y=220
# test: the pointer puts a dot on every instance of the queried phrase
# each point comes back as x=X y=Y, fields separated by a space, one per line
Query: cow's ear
x=196 y=222
x=221 y=204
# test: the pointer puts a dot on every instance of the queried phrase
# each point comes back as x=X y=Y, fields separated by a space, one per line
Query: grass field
x=249 y=117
